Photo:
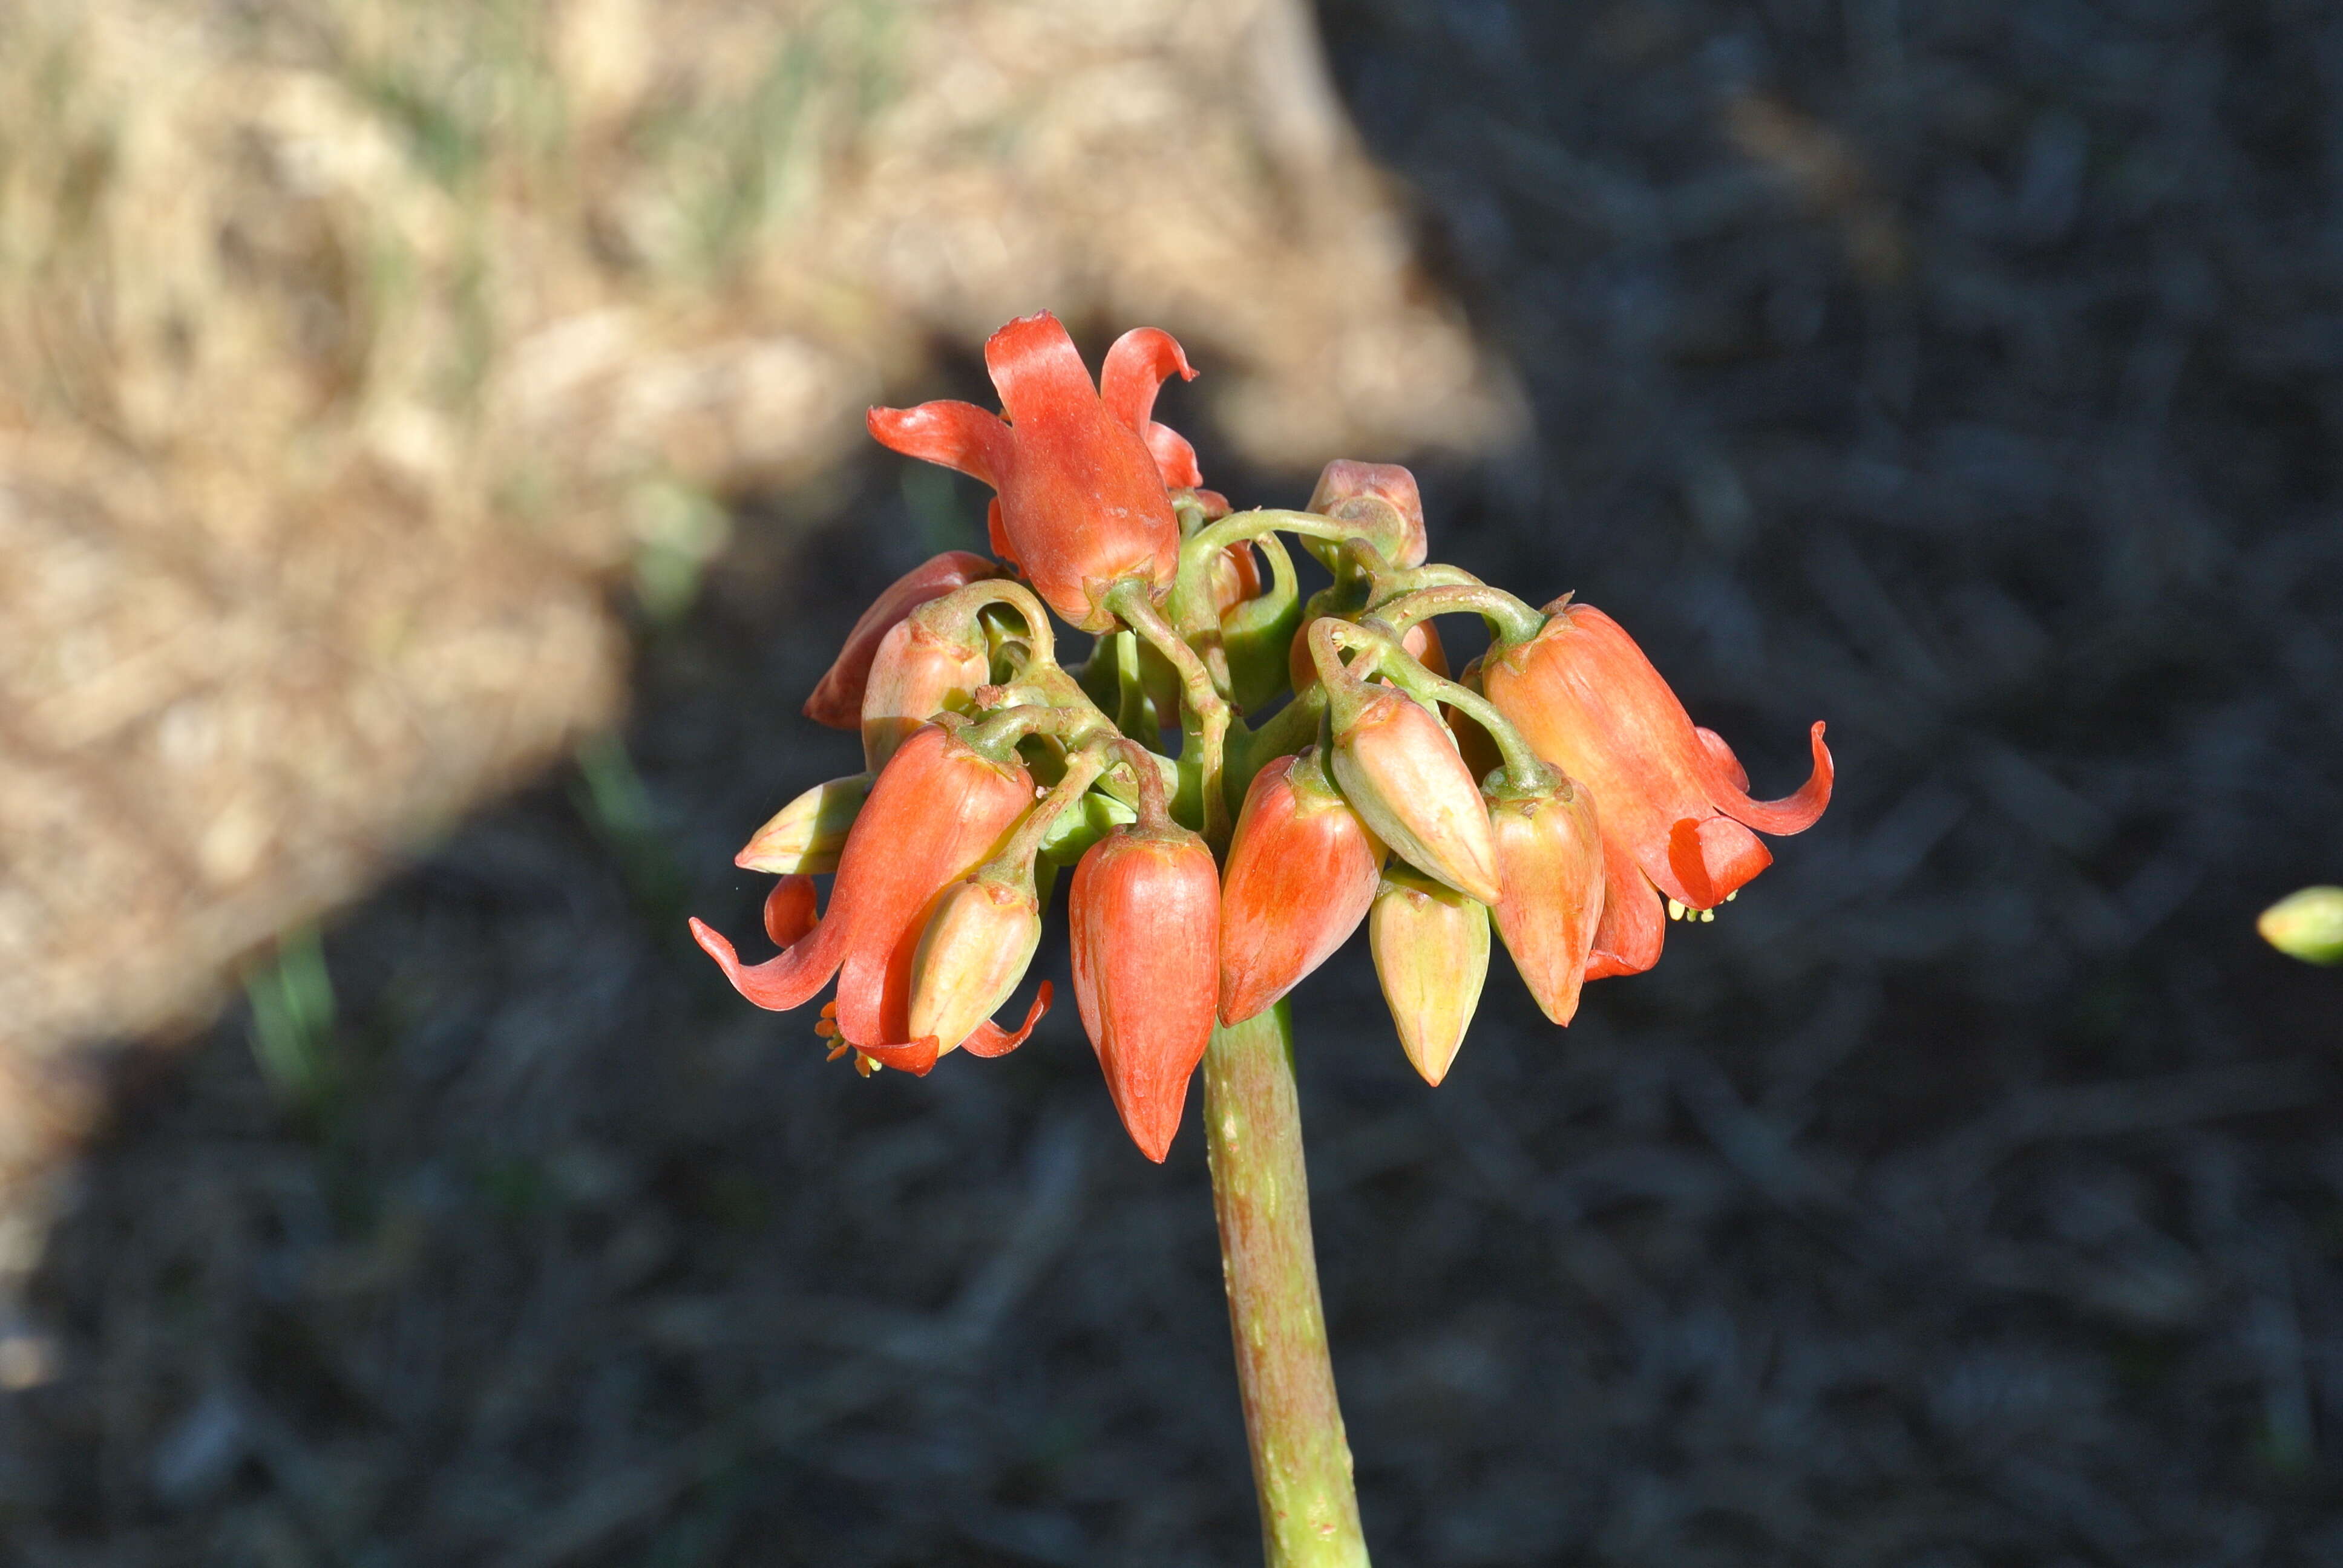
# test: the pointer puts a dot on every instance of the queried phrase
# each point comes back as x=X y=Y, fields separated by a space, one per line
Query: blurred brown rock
x=348 y=349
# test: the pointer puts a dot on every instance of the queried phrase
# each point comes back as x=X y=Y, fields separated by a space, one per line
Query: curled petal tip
x=991 y=1039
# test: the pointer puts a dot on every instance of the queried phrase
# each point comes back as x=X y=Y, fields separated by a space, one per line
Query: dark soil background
x=1967 y=375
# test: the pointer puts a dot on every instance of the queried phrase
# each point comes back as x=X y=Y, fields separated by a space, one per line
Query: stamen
x=840 y=1048
x=1675 y=910
x=1732 y=895
x=1709 y=914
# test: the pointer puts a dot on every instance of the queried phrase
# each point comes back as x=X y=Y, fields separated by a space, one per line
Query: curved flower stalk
x=1328 y=774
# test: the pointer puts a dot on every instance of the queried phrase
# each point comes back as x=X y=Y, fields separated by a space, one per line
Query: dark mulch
x=1967 y=373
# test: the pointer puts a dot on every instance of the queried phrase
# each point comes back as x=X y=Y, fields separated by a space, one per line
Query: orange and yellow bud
x=1400 y=772
x=977 y=946
x=806 y=835
x=1145 y=919
x=1550 y=857
x=1300 y=873
x=917 y=673
x=837 y=701
x=1431 y=945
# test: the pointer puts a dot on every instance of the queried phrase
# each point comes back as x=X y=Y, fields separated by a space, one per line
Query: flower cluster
x=1330 y=772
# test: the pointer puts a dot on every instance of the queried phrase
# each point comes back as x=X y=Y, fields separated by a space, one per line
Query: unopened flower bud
x=1382 y=499
x=836 y=702
x=917 y=674
x=1145 y=922
x=1400 y=772
x=806 y=835
x=1300 y=873
x=974 y=950
x=1431 y=945
x=1550 y=859
x=2307 y=925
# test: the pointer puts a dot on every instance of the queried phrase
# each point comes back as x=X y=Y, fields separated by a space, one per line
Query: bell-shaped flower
x=1083 y=472
x=1144 y=918
x=1673 y=803
x=837 y=699
x=1550 y=857
x=935 y=813
x=1431 y=945
x=1301 y=871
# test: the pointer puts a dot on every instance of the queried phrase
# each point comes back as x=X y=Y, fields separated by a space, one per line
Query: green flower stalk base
x=1261 y=1192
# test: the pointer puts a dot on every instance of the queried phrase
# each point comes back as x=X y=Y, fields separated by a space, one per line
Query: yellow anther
x=1709 y=914
x=1675 y=910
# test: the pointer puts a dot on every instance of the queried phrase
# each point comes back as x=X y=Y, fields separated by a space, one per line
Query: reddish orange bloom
x=1302 y=870
x=1672 y=803
x=935 y=814
x=837 y=701
x=1144 y=915
x=1083 y=472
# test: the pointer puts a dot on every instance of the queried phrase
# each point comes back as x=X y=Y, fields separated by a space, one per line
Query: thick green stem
x=1301 y=1458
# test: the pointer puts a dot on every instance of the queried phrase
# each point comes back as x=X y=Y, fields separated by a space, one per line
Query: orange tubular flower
x=1674 y=804
x=1301 y=871
x=1144 y=915
x=1084 y=472
x=837 y=701
x=934 y=814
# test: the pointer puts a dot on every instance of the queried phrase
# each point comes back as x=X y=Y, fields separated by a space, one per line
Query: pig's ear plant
x=1331 y=772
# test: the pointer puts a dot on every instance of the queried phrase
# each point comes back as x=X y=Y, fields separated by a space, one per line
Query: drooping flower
x=1144 y=917
x=1400 y=772
x=1302 y=873
x=937 y=811
x=1550 y=859
x=1672 y=801
x=1083 y=472
x=1431 y=945
x=837 y=699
